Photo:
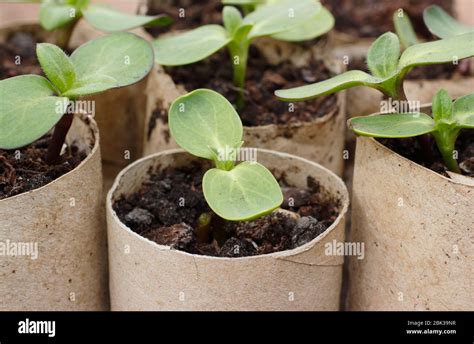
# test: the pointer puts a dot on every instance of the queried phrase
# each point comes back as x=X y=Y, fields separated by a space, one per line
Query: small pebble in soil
x=306 y=230
x=139 y=217
x=179 y=237
x=234 y=247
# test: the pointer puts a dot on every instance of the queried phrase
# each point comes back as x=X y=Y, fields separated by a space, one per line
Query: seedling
x=279 y=20
x=206 y=125
x=404 y=29
x=445 y=125
x=388 y=67
x=441 y=24
x=32 y=105
x=64 y=14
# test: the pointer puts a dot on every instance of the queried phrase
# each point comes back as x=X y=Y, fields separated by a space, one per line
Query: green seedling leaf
x=204 y=122
x=56 y=13
x=243 y=2
x=280 y=17
x=442 y=106
x=24 y=119
x=404 y=29
x=246 y=192
x=463 y=111
x=110 y=61
x=109 y=20
x=443 y=51
x=191 y=46
x=442 y=24
x=383 y=55
x=232 y=19
x=56 y=65
x=393 y=125
x=317 y=26
x=340 y=82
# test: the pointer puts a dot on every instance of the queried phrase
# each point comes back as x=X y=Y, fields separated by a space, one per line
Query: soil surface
x=18 y=55
x=410 y=149
x=168 y=209
x=371 y=18
x=186 y=14
x=261 y=107
x=25 y=169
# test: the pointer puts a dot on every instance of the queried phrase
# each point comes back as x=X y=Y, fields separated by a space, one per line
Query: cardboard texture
x=417 y=229
x=148 y=276
x=65 y=221
x=321 y=140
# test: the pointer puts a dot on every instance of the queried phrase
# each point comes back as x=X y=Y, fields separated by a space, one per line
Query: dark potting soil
x=186 y=14
x=167 y=207
x=261 y=107
x=25 y=169
x=371 y=18
x=410 y=148
x=18 y=55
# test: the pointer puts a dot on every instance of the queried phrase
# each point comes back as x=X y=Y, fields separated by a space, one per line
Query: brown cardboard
x=321 y=141
x=417 y=229
x=65 y=219
x=148 y=276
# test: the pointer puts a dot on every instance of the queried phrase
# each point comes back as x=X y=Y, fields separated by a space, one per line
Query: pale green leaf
x=110 y=61
x=317 y=26
x=398 y=125
x=232 y=18
x=246 y=192
x=55 y=14
x=340 y=82
x=442 y=51
x=463 y=110
x=280 y=17
x=203 y=122
x=190 y=47
x=109 y=20
x=382 y=58
x=404 y=29
x=243 y=2
x=29 y=110
x=442 y=105
x=442 y=24
x=56 y=65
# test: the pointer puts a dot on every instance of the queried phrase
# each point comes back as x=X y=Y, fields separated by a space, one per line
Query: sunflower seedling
x=32 y=105
x=441 y=24
x=206 y=125
x=404 y=29
x=281 y=20
x=448 y=119
x=388 y=67
x=64 y=15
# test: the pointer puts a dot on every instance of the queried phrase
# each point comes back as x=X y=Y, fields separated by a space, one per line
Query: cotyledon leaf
x=396 y=125
x=114 y=60
x=246 y=192
x=28 y=110
x=382 y=58
x=55 y=14
x=109 y=20
x=191 y=46
x=463 y=111
x=203 y=122
x=442 y=24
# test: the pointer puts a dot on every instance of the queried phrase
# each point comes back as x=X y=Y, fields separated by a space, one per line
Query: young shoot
x=32 y=105
x=445 y=125
x=388 y=67
x=64 y=14
x=441 y=24
x=283 y=19
x=404 y=29
x=206 y=125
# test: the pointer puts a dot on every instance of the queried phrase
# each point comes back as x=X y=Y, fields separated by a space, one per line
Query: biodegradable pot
x=148 y=276
x=417 y=229
x=65 y=219
x=321 y=140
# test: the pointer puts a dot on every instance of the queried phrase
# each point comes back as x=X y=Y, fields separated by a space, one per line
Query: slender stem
x=63 y=35
x=239 y=52
x=59 y=136
x=446 y=140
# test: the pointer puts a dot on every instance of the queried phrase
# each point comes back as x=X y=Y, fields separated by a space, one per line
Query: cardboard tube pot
x=321 y=140
x=62 y=226
x=148 y=276
x=417 y=229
